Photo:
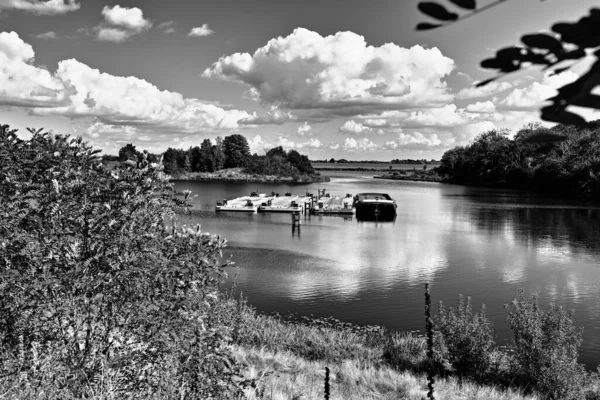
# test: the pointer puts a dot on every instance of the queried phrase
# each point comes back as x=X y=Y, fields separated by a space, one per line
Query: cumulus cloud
x=413 y=141
x=121 y=23
x=483 y=91
x=482 y=107
x=338 y=74
x=334 y=146
x=258 y=145
x=438 y=117
x=46 y=36
x=201 y=31
x=304 y=130
x=22 y=84
x=76 y=90
x=39 y=7
x=364 y=144
x=288 y=144
x=355 y=128
x=536 y=94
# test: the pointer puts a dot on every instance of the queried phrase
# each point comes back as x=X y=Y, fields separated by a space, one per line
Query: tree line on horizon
x=229 y=152
x=571 y=165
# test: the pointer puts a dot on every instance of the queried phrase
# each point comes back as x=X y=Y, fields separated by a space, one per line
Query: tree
x=174 y=160
x=128 y=152
x=208 y=156
x=332 y=160
x=277 y=151
x=300 y=162
x=556 y=51
x=219 y=154
x=98 y=279
x=236 y=150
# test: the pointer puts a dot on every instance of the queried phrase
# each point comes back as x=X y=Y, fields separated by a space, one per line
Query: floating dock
x=243 y=204
x=337 y=205
x=287 y=204
x=323 y=204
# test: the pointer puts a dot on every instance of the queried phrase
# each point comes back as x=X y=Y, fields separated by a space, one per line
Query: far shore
x=237 y=175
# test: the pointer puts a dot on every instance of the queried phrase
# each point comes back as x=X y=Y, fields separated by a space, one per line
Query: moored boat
x=375 y=206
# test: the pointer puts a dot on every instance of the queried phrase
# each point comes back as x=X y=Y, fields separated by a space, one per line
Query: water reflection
x=486 y=243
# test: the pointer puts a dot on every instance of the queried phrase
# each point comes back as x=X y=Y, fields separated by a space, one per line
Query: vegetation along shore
x=228 y=160
x=104 y=296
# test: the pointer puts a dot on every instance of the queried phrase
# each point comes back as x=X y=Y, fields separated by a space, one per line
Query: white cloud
x=483 y=91
x=482 y=107
x=113 y=34
x=76 y=90
x=200 y=31
x=439 y=117
x=46 y=36
x=273 y=116
x=128 y=18
x=49 y=7
x=290 y=144
x=355 y=128
x=465 y=134
x=22 y=84
x=304 y=130
x=536 y=94
x=167 y=26
x=333 y=146
x=258 y=145
x=338 y=74
x=414 y=141
x=364 y=144
x=121 y=23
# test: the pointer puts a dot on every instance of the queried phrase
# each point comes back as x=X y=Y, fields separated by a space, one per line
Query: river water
x=483 y=243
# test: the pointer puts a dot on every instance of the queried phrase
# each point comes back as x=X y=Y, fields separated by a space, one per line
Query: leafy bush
x=546 y=344
x=467 y=339
x=94 y=275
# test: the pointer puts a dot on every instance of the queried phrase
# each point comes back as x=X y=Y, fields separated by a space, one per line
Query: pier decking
x=320 y=205
x=334 y=205
x=243 y=204
x=286 y=204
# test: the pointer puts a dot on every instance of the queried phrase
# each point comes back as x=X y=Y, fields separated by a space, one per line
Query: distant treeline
x=395 y=161
x=568 y=161
x=230 y=152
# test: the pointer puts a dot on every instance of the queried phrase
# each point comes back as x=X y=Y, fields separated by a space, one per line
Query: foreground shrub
x=467 y=339
x=92 y=274
x=546 y=347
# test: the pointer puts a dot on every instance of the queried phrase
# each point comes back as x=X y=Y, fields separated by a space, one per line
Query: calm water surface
x=483 y=243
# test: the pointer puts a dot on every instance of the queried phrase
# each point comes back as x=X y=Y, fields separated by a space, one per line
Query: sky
x=331 y=78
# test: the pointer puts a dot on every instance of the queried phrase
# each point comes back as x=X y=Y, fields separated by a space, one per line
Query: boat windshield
x=373 y=196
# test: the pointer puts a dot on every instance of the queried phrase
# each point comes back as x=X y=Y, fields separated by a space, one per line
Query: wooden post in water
x=296 y=223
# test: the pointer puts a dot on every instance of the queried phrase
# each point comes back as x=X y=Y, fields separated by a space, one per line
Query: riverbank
x=287 y=356
x=420 y=176
x=238 y=175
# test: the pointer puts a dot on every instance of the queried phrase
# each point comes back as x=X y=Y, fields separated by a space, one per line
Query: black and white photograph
x=298 y=200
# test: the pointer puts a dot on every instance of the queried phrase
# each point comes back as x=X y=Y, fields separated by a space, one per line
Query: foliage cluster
x=543 y=357
x=96 y=279
x=229 y=152
x=494 y=159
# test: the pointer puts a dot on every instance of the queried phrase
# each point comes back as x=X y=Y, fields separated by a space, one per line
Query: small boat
x=375 y=207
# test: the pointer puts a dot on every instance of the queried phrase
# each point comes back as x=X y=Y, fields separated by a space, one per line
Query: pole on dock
x=296 y=223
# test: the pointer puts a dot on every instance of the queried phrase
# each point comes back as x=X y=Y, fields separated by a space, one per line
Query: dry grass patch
x=282 y=375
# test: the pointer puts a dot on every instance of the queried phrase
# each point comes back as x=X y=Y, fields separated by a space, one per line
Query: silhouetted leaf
x=437 y=11
x=589 y=101
x=542 y=41
x=483 y=83
x=551 y=114
x=466 y=4
x=424 y=26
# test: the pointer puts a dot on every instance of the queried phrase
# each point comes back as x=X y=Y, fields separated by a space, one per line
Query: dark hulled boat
x=375 y=206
